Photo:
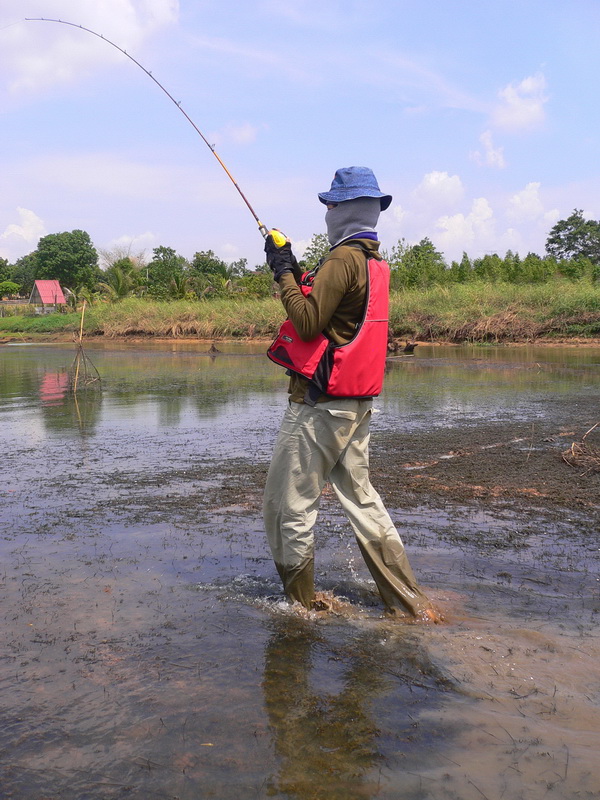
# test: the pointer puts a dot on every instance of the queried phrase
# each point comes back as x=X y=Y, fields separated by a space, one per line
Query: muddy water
x=147 y=651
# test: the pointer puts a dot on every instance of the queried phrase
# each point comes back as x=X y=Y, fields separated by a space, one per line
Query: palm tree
x=75 y=297
x=119 y=283
x=180 y=286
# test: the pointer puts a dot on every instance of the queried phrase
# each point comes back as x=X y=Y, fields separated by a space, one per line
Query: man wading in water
x=334 y=345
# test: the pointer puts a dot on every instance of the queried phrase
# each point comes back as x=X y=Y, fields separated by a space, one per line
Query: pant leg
x=299 y=468
x=377 y=537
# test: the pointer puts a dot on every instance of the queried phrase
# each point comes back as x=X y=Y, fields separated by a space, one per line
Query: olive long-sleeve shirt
x=335 y=304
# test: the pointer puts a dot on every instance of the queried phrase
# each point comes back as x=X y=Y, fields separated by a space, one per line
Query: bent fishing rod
x=278 y=237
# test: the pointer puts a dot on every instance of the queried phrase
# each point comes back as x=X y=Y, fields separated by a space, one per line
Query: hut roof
x=49 y=292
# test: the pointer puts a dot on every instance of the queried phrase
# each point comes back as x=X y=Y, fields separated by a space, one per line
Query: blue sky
x=480 y=118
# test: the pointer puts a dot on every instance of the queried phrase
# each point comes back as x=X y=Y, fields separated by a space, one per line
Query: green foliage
x=512 y=272
x=166 y=265
x=417 y=265
x=574 y=269
x=461 y=272
x=8 y=288
x=46 y=323
x=181 y=287
x=488 y=268
x=69 y=258
x=317 y=249
x=257 y=284
x=573 y=255
x=207 y=263
x=5 y=271
x=24 y=272
x=421 y=266
x=75 y=297
x=536 y=269
x=121 y=279
x=575 y=237
x=239 y=268
x=486 y=312
x=122 y=256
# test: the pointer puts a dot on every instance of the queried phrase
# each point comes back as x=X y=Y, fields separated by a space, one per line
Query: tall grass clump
x=494 y=312
x=213 y=319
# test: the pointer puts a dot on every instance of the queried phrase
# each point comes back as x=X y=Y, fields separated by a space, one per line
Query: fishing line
x=262 y=228
x=10 y=24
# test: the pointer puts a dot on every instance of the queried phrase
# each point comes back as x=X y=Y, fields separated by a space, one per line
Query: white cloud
x=36 y=55
x=439 y=189
x=133 y=245
x=22 y=237
x=244 y=133
x=465 y=231
x=526 y=205
x=300 y=246
x=491 y=156
x=159 y=12
x=397 y=212
x=521 y=106
x=519 y=221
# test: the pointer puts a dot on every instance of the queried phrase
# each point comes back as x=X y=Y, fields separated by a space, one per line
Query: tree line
x=572 y=253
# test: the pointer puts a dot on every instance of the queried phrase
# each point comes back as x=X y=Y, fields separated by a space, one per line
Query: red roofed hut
x=47 y=293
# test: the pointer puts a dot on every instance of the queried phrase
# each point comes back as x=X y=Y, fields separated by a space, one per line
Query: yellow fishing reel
x=278 y=237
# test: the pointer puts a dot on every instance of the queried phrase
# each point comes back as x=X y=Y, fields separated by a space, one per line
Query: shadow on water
x=148 y=652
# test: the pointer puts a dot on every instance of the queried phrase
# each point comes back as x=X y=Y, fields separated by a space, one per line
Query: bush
x=9 y=288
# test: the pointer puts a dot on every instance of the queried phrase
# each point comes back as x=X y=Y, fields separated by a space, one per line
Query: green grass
x=476 y=312
x=483 y=312
x=47 y=323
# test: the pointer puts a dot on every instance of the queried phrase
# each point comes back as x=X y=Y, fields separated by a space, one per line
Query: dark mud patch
x=519 y=463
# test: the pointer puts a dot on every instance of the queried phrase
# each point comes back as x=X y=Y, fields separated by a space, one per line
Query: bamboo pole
x=79 y=346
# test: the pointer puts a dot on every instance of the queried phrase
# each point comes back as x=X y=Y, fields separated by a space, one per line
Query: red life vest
x=354 y=369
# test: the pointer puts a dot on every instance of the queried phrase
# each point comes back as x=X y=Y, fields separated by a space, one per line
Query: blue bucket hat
x=352 y=182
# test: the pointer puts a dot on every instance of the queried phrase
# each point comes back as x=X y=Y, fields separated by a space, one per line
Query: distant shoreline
x=66 y=337
x=492 y=314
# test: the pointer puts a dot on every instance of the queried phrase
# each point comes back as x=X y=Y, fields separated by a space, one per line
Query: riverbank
x=68 y=336
x=473 y=313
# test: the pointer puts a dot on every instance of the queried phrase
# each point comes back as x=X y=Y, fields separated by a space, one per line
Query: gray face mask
x=352 y=217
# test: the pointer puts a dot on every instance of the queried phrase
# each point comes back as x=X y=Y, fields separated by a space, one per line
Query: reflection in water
x=330 y=707
x=430 y=392
x=326 y=740
x=63 y=410
x=180 y=384
x=53 y=388
x=87 y=408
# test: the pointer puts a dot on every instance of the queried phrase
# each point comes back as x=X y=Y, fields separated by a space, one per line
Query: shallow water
x=147 y=649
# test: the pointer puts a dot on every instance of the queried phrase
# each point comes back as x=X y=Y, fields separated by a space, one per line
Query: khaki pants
x=331 y=443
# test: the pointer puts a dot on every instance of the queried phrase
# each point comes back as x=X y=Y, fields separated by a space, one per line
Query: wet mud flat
x=147 y=650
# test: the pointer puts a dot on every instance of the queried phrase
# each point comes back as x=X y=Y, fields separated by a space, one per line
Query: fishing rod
x=278 y=237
